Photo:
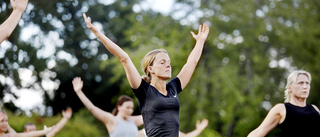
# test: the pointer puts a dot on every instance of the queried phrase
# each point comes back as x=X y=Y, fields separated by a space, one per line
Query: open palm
x=202 y=33
x=77 y=84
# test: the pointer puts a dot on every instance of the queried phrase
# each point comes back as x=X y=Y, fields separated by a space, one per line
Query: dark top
x=300 y=121
x=160 y=113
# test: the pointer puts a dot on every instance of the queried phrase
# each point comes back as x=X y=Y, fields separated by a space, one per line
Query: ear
x=289 y=89
x=150 y=69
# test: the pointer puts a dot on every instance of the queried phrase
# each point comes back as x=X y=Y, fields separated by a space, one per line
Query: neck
x=159 y=84
x=119 y=115
x=302 y=102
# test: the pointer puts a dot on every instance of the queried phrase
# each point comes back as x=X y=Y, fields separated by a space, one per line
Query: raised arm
x=200 y=126
x=137 y=120
x=33 y=133
x=274 y=117
x=105 y=117
x=66 y=116
x=11 y=22
x=132 y=73
x=11 y=130
x=188 y=69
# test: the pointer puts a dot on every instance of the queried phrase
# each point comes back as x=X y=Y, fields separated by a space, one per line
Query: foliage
x=252 y=46
x=82 y=124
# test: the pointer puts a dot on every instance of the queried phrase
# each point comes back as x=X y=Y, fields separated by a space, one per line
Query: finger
x=199 y=30
x=203 y=27
x=84 y=16
x=206 y=27
x=193 y=35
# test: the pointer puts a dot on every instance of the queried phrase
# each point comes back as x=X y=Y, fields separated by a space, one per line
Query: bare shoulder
x=316 y=108
x=280 y=110
x=279 y=107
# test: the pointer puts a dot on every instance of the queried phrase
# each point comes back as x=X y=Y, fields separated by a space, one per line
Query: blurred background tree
x=253 y=45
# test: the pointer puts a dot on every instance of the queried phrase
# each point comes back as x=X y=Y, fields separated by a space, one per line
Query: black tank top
x=300 y=121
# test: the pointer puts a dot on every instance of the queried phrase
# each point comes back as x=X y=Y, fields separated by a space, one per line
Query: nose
x=168 y=65
x=305 y=85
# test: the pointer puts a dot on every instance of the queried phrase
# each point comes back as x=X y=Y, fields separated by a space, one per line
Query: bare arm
x=137 y=120
x=32 y=133
x=316 y=108
x=200 y=126
x=132 y=73
x=66 y=116
x=188 y=69
x=275 y=115
x=105 y=117
x=11 y=22
x=11 y=130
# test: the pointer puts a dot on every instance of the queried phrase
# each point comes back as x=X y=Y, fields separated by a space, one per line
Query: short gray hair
x=293 y=78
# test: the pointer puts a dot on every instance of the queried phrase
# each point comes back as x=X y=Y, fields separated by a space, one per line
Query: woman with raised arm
x=119 y=123
x=4 y=127
x=7 y=27
x=157 y=99
x=295 y=117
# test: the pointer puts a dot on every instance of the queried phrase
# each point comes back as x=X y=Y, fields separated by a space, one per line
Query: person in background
x=295 y=117
x=7 y=27
x=4 y=127
x=119 y=123
x=200 y=126
x=158 y=101
x=29 y=127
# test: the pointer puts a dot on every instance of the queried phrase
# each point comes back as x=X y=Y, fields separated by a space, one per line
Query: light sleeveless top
x=124 y=129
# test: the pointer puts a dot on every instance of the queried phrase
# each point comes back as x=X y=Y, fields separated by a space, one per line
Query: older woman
x=294 y=117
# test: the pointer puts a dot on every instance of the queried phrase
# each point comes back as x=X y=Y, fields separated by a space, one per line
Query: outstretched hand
x=88 y=21
x=202 y=32
x=77 y=84
x=203 y=124
x=19 y=4
x=67 y=113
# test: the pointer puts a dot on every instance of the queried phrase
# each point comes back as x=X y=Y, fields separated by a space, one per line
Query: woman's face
x=3 y=122
x=161 y=66
x=301 y=88
x=126 y=108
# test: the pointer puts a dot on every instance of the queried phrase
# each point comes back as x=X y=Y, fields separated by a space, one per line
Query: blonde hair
x=148 y=61
x=291 y=79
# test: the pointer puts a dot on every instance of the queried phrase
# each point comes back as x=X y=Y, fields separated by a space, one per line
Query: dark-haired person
x=4 y=127
x=119 y=123
x=295 y=117
x=29 y=127
x=158 y=101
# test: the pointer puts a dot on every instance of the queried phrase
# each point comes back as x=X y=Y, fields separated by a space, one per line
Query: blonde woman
x=158 y=101
x=294 y=117
x=7 y=27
